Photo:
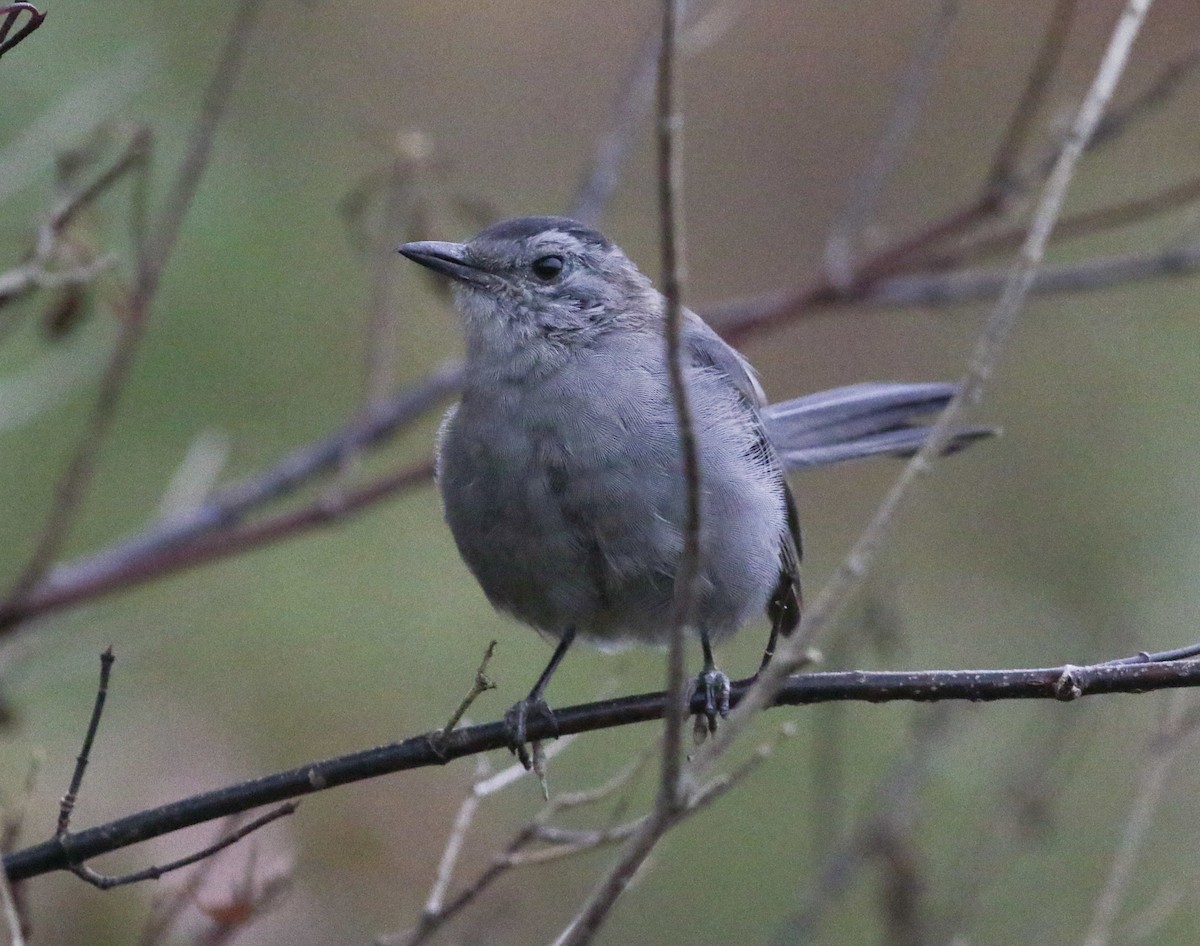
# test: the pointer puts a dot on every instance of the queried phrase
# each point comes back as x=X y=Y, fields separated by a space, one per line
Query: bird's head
x=540 y=277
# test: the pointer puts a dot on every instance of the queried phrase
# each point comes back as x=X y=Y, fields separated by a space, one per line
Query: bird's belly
x=579 y=523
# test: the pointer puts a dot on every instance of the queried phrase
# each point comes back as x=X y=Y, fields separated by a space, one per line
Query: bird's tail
x=861 y=420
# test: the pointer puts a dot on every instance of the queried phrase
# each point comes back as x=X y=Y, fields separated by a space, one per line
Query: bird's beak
x=449 y=259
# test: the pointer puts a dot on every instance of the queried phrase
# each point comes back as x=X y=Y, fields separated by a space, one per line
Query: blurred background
x=1072 y=538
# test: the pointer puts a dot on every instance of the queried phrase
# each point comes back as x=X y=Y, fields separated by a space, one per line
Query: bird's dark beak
x=449 y=259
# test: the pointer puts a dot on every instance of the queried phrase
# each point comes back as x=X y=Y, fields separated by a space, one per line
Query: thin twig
x=720 y=785
x=54 y=262
x=1118 y=121
x=976 y=285
x=454 y=844
x=108 y=881
x=166 y=910
x=584 y=927
x=251 y=896
x=568 y=843
x=738 y=318
x=33 y=275
x=670 y=198
x=14 y=813
x=1021 y=802
x=1178 y=653
x=480 y=685
x=1166 y=902
x=867 y=187
x=1085 y=223
x=12 y=820
x=646 y=833
x=438 y=911
x=134 y=156
x=13 y=901
x=67 y=805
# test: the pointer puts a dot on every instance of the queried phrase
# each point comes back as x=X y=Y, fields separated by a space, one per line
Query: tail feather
x=861 y=420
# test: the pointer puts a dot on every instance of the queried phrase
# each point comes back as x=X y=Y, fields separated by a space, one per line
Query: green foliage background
x=1071 y=538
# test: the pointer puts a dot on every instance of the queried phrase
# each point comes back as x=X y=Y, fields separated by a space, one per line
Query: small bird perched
x=561 y=471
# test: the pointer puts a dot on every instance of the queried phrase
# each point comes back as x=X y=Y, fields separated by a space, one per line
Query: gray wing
x=706 y=348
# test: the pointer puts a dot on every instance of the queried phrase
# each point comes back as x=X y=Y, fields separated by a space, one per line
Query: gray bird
x=560 y=469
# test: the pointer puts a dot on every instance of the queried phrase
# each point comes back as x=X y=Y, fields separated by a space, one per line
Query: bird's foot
x=714 y=686
x=516 y=721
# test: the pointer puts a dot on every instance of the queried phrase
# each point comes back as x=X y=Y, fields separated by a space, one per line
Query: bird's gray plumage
x=560 y=468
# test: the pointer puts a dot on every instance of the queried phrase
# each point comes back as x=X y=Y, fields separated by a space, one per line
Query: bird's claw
x=516 y=721
x=714 y=685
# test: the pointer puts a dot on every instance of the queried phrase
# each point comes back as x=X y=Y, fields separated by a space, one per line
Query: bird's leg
x=769 y=651
x=534 y=704
x=714 y=685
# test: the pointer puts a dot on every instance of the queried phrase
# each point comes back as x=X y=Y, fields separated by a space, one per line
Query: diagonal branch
x=983 y=363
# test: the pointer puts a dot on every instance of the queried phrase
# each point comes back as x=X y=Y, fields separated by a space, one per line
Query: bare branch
x=108 y=881
x=739 y=317
x=669 y=801
x=480 y=685
x=1120 y=119
x=1068 y=682
x=32 y=275
x=1081 y=224
x=255 y=893
x=721 y=784
x=975 y=285
x=58 y=262
x=1021 y=805
x=166 y=909
x=67 y=805
x=670 y=200
x=445 y=870
x=438 y=911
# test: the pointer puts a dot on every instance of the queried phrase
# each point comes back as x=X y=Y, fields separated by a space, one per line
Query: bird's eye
x=547 y=268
